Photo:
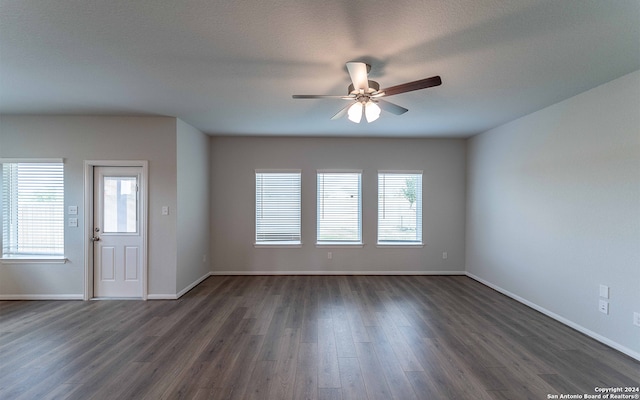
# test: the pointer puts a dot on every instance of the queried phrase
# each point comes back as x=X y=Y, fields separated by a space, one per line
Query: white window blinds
x=32 y=208
x=399 y=207
x=278 y=207
x=339 y=218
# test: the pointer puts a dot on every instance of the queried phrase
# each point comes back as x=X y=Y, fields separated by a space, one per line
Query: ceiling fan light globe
x=355 y=112
x=371 y=111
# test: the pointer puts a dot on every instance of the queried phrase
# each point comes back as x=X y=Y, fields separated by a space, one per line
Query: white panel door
x=117 y=239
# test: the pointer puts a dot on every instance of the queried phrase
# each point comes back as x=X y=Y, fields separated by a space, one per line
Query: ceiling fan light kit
x=355 y=112
x=371 y=111
x=366 y=95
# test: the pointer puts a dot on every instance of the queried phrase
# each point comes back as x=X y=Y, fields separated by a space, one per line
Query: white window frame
x=419 y=211
x=338 y=243
x=25 y=258
x=283 y=243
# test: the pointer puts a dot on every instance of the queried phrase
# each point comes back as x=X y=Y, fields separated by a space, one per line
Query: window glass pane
x=32 y=209
x=278 y=207
x=339 y=207
x=120 y=204
x=399 y=208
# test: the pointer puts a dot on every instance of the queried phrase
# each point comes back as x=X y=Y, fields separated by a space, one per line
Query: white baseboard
x=324 y=272
x=162 y=297
x=579 y=328
x=181 y=293
x=194 y=284
x=41 y=297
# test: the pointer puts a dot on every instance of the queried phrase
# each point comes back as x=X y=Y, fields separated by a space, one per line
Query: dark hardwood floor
x=302 y=337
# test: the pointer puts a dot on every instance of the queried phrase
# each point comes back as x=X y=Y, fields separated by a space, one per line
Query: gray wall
x=554 y=209
x=90 y=138
x=193 y=206
x=234 y=161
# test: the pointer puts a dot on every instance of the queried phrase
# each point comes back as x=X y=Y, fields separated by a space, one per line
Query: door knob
x=95 y=239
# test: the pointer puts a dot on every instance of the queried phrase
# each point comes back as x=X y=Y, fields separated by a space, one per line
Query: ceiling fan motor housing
x=373 y=87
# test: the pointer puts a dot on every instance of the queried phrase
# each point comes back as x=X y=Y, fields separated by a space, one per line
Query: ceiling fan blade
x=320 y=96
x=358 y=74
x=411 y=86
x=392 y=108
x=342 y=112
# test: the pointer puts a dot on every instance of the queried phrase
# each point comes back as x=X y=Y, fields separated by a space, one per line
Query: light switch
x=73 y=222
x=165 y=210
x=604 y=291
x=73 y=210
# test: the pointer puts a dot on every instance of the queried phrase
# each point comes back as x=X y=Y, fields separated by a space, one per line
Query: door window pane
x=120 y=204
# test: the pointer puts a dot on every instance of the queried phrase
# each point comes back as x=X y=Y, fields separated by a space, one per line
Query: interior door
x=117 y=239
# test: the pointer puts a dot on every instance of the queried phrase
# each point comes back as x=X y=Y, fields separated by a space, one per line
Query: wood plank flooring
x=302 y=337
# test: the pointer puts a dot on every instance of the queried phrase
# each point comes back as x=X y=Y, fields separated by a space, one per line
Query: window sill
x=33 y=260
x=279 y=245
x=343 y=245
x=400 y=245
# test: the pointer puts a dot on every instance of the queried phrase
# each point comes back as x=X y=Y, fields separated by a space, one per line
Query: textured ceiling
x=230 y=67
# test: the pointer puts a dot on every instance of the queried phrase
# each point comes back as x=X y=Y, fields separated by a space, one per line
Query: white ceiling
x=230 y=67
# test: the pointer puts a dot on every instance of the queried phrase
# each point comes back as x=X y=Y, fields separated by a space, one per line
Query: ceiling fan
x=366 y=95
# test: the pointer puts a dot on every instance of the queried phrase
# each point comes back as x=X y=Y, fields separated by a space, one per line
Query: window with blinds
x=278 y=207
x=399 y=207
x=32 y=209
x=339 y=219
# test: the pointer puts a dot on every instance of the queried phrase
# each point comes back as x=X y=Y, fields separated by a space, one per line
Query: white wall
x=554 y=209
x=234 y=161
x=193 y=206
x=94 y=138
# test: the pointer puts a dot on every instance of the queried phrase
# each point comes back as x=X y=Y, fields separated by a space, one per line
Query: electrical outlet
x=165 y=210
x=330 y=255
x=636 y=318
x=603 y=307
x=444 y=255
x=204 y=258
